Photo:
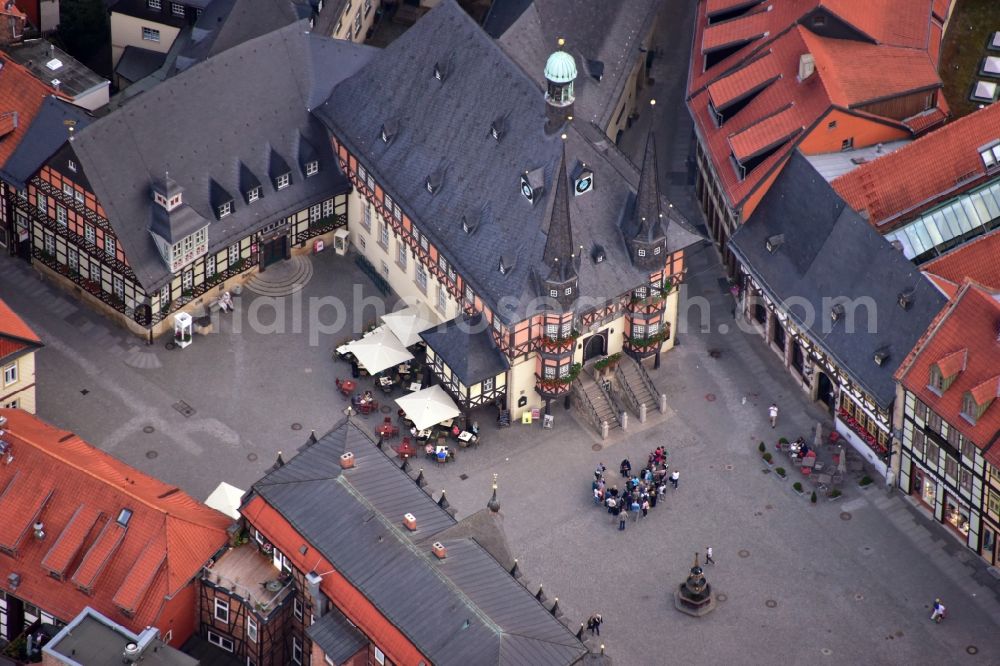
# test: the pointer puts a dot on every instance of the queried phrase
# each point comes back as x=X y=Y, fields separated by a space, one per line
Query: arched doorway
x=595 y=345
x=825 y=391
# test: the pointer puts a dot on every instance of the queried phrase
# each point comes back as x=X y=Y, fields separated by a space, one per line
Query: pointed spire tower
x=648 y=244
x=559 y=279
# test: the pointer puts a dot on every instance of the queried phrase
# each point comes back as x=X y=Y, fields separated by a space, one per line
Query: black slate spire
x=647 y=244
x=559 y=257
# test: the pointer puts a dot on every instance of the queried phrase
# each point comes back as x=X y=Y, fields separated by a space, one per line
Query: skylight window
x=990 y=156
x=124 y=516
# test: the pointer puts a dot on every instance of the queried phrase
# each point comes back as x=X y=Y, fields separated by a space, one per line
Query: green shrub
x=766 y=457
x=798 y=486
x=761 y=447
x=865 y=480
x=780 y=471
x=812 y=498
x=835 y=493
x=783 y=440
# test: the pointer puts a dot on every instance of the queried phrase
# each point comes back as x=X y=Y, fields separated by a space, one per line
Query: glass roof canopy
x=934 y=232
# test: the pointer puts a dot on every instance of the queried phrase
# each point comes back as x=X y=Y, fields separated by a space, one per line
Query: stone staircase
x=594 y=403
x=633 y=379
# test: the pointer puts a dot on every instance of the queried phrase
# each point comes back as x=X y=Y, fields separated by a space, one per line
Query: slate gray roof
x=444 y=127
x=596 y=31
x=137 y=63
x=178 y=126
x=336 y=636
x=465 y=609
x=466 y=345
x=829 y=252
x=46 y=134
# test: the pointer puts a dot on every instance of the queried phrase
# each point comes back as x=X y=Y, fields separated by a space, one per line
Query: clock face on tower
x=584 y=184
x=526 y=190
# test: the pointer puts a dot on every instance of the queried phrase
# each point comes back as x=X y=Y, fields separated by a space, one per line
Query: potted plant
x=767 y=458
x=761 y=447
x=780 y=471
x=865 y=481
x=834 y=495
x=797 y=487
x=783 y=444
x=812 y=498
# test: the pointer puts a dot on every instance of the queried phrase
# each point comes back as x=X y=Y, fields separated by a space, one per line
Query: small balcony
x=250 y=574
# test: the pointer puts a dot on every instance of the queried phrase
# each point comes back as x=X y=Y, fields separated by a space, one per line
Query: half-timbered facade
x=244 y=191
x=485 y=198
x=836 y=301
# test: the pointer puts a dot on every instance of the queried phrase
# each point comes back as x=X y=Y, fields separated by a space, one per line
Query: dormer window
x=935 y=382
x=657 y=249
x=282 y=181
x=990 y=155
x=970 y=410
x=641 y=252
x=312 y=168
x=253 y=194
x=225 y=209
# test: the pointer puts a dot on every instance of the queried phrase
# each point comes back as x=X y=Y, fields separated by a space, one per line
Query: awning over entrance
x=378 y=350
x=428 y=407
x=407 y=324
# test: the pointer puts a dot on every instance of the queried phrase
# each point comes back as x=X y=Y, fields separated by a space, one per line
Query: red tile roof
x=855 y=73
x=969 y=322
x=916 y=175
x=12 y=326
x=987 y=391
x=766 y=134
x=978 y=260
x=953 y=363
x=22 y=93
x=848 y=74
x=167 y=539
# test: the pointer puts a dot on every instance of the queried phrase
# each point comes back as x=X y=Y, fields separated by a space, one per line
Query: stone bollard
x=642 y=413
x=604 y=429
x=624 y=420
x=663 y=403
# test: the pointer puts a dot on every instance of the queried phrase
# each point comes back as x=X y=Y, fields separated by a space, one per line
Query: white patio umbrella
x=379 y=350
x=226 y=498
x=428 y=407
x=407 y=324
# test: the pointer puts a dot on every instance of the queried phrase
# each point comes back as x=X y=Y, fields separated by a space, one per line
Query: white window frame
x=233 y=254
x=366 y=221
x=177 y=9
x=220 y=641
x=10 y=374
x=71 y=165
x=488 y=383
x=312 y=168
x=209 y=266
x=297 y=609
x=225 y=209
x=251 y=629
x=442 y=299
x=401 y=254
x=89 y=234
x=357 y=22
x=549 y=372
x=79 y=197
x=253 y=194
x=329 y=207
x=110 y=246
x=221 y=610
x=67 y=190
x=61 y=217
x=383 y=233
x=379 y=656
x=283 y=181
x=296 y=650
x=150 y=35
x=154 y=4
x=421 y=277
x=42 y=203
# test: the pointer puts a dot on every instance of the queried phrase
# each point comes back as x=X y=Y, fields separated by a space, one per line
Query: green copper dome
x=560 y=67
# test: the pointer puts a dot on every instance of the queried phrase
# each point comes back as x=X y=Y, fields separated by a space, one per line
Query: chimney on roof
x=313 y=581
x=13 y=580
x=807 y=65
x=347 y=460
x=439 y=550
x=410 y=521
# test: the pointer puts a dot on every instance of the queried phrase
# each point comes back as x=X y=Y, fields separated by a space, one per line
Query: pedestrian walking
x=645 y=508
x=599 y=472
x=634 y=508
x=674 y=478
x=625 y=468
x=622 y=517
x=708 y=555
x=592 y=623
x=772 y=413
x=598 y=621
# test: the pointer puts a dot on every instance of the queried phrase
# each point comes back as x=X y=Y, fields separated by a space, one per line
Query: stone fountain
x=694 y=596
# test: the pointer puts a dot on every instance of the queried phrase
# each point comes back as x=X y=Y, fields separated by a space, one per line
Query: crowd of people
x=640 y=491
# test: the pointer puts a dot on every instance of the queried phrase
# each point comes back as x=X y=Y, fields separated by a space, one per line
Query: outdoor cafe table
x=466 y=436
x=425 y=434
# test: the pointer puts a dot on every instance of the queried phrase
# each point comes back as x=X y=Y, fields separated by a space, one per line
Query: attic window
x=598 y=254
x=990 y=155
x=881 y=356
x=312 y=168
x=970 y=410
x=124 y=516
x=225 y=209
x=390 y=129
x=936 y=381
x=774 y=242
x=253 y=194
x=282 y=181
x=837 y=312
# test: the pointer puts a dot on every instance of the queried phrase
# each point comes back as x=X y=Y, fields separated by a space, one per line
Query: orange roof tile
x=978 y=260
x=116 y=562
x=22 y=93
x=987 y=391
x=914 y=176
x=942 y=8
x=946 y=287
x=893 y=24
x=716 y=6
x=970 y=321
x=21 y=504
x=766 y=134
x=739 y=84
x=953 y=363
x=855 y=73
x=13 y=326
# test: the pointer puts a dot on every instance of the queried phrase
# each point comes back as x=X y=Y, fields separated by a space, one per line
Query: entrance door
x=595 y=345
x=824 y=391
x=273 y=251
